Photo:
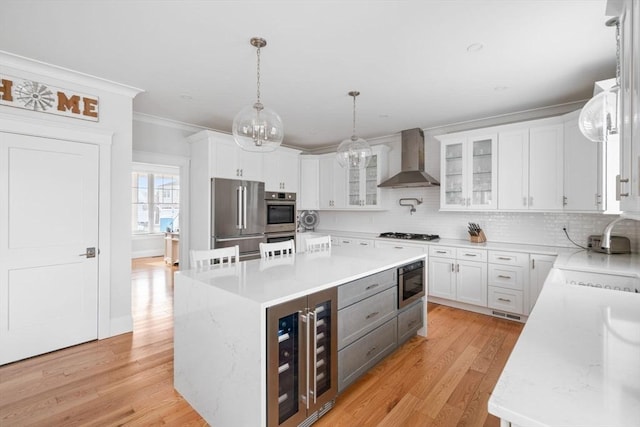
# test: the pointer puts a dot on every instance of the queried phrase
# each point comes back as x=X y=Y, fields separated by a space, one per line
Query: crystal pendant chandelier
x=354 y=152
x=599 y=116
x=256 y=128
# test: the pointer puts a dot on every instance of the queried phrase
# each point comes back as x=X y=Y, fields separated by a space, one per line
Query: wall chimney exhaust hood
x=412 y=172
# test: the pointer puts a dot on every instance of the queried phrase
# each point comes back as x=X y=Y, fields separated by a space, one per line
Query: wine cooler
x=302 y=374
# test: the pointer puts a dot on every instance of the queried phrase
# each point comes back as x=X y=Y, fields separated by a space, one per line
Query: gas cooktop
x=409 y=236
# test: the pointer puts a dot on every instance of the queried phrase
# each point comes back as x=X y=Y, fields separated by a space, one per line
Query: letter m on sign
x=68 y=104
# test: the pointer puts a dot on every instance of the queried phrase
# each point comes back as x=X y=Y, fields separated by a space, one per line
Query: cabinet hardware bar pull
x=375 y=285
x=371 y=350
x=306 y=320
x=505 y=258
x=398 y=247
x=470 y=254
x=441 y=252
x=533 y=264
x=457 y=268
x=315 y=354
x=374 y=314
x=413 y=322
x=502 y=276
x=453 y=268
x=504 y=299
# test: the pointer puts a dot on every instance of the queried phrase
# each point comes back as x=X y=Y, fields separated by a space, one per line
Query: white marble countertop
x=498 y=246
x=577 y=361
x=270 y=282
x=626 y=265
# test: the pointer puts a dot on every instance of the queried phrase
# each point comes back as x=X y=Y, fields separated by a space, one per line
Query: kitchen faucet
x=605 y=241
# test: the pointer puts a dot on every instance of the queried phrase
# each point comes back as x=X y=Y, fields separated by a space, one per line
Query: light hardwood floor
x=127 y=380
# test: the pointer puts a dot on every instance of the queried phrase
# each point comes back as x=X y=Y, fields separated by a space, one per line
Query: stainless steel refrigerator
x=238 y=215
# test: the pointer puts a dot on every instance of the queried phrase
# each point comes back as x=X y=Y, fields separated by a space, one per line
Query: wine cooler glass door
x=286 y=364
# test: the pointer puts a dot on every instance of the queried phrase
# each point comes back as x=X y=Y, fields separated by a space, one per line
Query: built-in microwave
x=281 y=212
x=411 y=283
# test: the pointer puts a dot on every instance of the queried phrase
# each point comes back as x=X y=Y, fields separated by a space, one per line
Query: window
x=155 y=206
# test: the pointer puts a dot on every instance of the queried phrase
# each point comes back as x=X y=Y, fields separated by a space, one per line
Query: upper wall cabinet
x=530 y=167
x=362 y=184
x=584 y=169
x=332 y=186
x=629 y=186
x=308 y=196
x=228 y=160
x=281 y=170
x=345 y=189
x=469 y=171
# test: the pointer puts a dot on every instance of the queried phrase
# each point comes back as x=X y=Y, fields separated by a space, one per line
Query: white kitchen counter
x=220 y=323
x=577 y=361
x=460 y=243
x=626 y=265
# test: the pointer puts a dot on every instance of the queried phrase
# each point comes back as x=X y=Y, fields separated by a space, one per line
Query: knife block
x=480 y=238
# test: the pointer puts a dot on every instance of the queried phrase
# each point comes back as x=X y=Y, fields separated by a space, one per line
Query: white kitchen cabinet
x=333 y=183
x=395 y=244
x=362 y=184
x=546 y=154
x=507 y=280
x=539 y=268
x=584 y=170
x=458 y=274
x=346 y=241
x=469 y=177
x=530 y=166
x=309 y=187
x=281 y=170
x=228 y=160
x=629 y=186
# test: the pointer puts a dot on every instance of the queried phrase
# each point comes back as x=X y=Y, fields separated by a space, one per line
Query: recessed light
x=475 y=47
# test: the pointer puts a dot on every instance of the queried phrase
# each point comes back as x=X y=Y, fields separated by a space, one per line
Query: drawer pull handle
x=441 y=252
x=398 y=247
x=413 y=322
x=470 y=254
x=364 y=244
x=375 y=285
x=504 y=258
x=504 y=299
x=374 y=314
x=371 y=350
x=502 y=276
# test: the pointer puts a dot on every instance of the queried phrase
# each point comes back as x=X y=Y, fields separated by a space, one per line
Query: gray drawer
x=358 y=319
x=359 y=357
x=409 y=321
x=352 y=292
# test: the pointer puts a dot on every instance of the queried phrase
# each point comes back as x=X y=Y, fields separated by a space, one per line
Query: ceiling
x=413 y=61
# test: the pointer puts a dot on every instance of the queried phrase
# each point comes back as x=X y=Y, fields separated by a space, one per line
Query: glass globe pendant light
x=256 y=128
x=354 y=152
x=599 y=117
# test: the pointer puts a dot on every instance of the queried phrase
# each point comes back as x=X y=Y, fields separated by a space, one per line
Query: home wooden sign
x=36 y=96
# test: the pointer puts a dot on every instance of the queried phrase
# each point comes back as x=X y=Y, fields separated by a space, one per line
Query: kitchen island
x=220 y=318
x=577 y=361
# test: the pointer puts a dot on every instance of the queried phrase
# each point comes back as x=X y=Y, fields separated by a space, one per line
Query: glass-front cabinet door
x=363 y=185
x=469 y=173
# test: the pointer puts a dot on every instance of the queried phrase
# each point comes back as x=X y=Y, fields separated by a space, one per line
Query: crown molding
x=60 y=73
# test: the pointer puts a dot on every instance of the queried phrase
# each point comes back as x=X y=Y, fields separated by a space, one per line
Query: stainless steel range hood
x=412 y=172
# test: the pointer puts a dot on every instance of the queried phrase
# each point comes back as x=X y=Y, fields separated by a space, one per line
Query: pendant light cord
x=258 y=75
x=353 y=135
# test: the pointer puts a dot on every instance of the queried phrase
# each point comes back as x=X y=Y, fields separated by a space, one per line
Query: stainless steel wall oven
x=280 y=212
x=411 y=283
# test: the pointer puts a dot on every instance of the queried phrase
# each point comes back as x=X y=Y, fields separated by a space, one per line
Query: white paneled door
x=48 y=219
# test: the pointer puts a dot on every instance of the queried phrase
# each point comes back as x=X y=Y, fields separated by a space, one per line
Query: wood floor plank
x=127 y=380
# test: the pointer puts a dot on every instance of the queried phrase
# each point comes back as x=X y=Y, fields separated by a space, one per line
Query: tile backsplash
x=535 y=228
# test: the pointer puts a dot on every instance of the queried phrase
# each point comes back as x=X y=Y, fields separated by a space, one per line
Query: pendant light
x=354 y=152
x=599 y=116
x=256 y=128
